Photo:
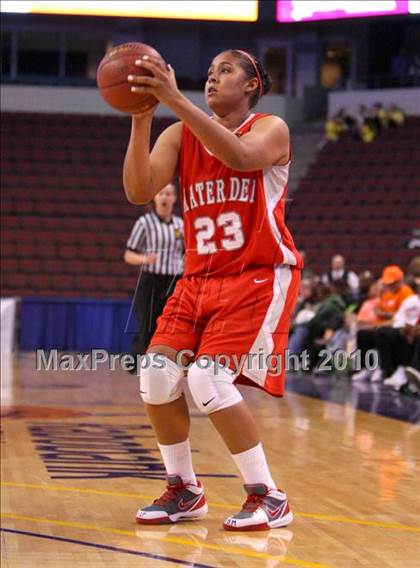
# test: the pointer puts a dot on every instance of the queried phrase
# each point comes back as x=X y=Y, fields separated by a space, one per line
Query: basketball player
x=240 y=282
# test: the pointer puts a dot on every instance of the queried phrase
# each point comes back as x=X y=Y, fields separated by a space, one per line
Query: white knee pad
x=160 y=380
x=212 y=390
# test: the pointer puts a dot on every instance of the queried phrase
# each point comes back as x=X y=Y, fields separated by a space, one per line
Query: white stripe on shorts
x=264 y=343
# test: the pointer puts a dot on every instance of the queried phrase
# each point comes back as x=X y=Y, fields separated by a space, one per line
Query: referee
x=156 y=244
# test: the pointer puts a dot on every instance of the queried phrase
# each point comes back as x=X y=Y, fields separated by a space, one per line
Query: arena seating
x=65 y=218
x=360 y=200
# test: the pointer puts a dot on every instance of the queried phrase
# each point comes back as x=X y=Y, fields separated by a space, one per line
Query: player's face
x=226 y=82
x=166 y=198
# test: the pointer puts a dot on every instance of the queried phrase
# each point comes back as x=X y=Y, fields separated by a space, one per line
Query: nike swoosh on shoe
x=187 y=504
x=274 y=512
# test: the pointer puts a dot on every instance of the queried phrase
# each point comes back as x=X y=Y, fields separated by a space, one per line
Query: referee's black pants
x=151 y=295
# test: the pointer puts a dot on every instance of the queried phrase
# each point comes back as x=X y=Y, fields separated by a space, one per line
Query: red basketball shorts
x=242 y=321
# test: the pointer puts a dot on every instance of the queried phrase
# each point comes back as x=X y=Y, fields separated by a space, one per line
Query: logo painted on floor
x=100 y=451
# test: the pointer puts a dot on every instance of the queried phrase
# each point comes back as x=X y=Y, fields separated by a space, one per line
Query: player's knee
x=160 y=380
x=212 y=388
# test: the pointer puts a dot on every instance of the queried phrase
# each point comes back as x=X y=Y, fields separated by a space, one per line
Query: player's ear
x=251 y=85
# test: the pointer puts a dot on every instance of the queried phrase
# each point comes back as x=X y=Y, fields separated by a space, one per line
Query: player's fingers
x=142 y=80
x=154 y=65
x=142 y=90
x=148 y=58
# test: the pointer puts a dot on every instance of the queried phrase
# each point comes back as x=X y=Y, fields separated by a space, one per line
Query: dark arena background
x=79 y=456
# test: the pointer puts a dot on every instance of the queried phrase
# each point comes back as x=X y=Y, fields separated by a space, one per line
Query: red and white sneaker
x=264 y=509
x=179 y=502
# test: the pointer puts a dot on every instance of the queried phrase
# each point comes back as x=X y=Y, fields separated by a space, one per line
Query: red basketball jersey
x=232 y=219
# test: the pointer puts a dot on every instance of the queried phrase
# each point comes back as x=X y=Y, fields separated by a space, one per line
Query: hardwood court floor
x=79 y=458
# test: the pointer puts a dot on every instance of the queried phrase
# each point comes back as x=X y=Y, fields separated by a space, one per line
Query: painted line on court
x=338 y=519
x=107 y=547
x=236 y=550
x=141 y=496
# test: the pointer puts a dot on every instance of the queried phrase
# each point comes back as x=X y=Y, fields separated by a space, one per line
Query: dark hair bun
x=266 y=82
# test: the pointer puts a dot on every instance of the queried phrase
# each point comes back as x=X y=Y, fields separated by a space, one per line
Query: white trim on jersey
x=264 y=343
x=244 y=122
x=273 y=178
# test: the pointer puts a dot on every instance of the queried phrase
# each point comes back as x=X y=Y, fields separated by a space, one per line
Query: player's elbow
x=241 y=166
x=134 y=194
x=134 y=200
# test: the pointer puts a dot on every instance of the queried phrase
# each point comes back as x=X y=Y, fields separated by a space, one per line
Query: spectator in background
x=328 y=321
x=366 y=124
x=394 y=292
x=413 y=241
x=395 y=349
x=338 y=272
x=305 y=306
x=395 y=115
x=156 y=244
x=336 y=334
x=380 y=118
x=350 y=123
x=363 y=316
x=366 y=316
x=313 y=334
x=334 y=128
x=398 y=343
x=304 y=311
x=366 y=279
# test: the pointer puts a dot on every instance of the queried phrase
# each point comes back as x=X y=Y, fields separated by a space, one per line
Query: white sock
x=253 y=467
x=177 y=460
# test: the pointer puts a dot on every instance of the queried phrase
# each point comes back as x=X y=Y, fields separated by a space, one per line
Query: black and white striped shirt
x=152 y=234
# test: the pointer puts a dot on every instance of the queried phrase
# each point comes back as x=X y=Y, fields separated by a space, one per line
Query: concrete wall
x=408 y=99
x=81 y=100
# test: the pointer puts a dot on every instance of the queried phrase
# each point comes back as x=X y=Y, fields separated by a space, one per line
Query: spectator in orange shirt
x=395 y=292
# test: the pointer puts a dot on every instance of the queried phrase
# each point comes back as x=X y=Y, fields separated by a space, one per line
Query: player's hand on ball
x=162 y=83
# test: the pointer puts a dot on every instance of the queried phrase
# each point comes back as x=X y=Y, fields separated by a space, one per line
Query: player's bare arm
x=263 y=146
x=145 y=173
x=266 y=144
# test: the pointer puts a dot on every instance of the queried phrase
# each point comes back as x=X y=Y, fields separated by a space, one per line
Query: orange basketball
x=112 y=73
